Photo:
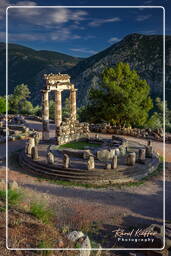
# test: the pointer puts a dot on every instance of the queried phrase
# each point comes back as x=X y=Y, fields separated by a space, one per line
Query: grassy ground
x=79 y=145
x=34 y=225
x=29 y=225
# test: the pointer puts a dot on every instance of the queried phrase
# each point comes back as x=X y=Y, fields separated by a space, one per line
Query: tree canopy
x=2 y=104
x=18 y=101
x=121 y=97
x=157 y=118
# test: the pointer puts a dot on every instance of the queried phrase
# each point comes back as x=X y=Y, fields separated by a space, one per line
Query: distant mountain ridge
x=26 y=65
x=144 y=53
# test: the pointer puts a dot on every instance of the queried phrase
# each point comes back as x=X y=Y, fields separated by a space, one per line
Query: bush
x=2 y=104
x=45 y=244
x=14 y=197
x=37 y=110
x=168 y=127
x=26 y=107
x=41 y=212
x=154 y=122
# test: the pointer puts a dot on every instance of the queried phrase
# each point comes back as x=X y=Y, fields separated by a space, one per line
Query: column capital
x=44 y=91
x=74 y=90
x=58 y=91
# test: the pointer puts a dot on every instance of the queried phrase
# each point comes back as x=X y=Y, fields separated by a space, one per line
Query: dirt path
x=13 y=146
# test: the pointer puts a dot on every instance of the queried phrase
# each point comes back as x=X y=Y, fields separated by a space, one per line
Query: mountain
x=144 y=53
x=26 y=65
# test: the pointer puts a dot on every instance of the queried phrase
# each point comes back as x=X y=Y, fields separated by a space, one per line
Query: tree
x=156 y=119
x=37 y=110
x=121 y=98
x=18 y=99
x=52 y=109
x=66 y=109
x=22 y=91
x=2 y=104
x=26 y=107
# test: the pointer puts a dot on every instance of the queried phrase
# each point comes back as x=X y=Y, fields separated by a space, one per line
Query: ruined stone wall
x=156 y=134
x=71 y=130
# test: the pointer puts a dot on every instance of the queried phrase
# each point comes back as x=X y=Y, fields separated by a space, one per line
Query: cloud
x=149 y=32
x=59 y=35
x=40 y=23
x=46 y=16
x=41 y=16
x=114 y=39
x=99 y=22
x=3 y=5
x=83 y=50
x=148 y=2
x=143 y=17
x=62 y=34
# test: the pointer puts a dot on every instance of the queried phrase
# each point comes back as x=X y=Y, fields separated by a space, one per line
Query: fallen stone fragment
x=75 y=235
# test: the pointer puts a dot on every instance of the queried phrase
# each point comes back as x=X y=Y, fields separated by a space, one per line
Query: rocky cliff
x=143 y=53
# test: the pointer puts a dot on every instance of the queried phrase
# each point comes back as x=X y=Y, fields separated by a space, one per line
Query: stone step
x=54 y=173
x=66 y=171
x=84 y=176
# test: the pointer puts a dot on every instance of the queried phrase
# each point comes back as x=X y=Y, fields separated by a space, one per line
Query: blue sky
x=80 y=31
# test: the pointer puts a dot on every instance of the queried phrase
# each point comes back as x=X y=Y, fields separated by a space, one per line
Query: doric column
x=58 y=108
x=45 y=114
x=73 y=104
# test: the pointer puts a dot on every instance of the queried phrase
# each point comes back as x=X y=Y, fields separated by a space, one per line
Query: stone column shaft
x=73 y=104
x=45 y=114
x=58 y=108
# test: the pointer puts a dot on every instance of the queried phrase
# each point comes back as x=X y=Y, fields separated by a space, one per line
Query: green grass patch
x=45 y=244
x=72 y=183
x=41 y=212
x=78 y=145
x=14 y=197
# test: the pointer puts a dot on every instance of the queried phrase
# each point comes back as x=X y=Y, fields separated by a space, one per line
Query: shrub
x=45 y=244
x=14 y=196
x=41 y=212
x=154 y=121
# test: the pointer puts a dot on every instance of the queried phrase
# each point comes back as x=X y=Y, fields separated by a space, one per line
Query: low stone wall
x=71 y=131
x=14 y=132
x=156 y=134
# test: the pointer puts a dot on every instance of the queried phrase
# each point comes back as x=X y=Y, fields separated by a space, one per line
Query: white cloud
x=40 y=16
x=99 y=22
x=152 y=32
x=46 y=16
x=148 y=2
x=143 y=17
x=114 y=39
x=59 y=35
x=3 y=5
x=62 y=35
x=23 y=36
x=83 y=50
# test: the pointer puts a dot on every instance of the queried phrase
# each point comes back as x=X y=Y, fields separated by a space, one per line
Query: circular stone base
x=77 y=172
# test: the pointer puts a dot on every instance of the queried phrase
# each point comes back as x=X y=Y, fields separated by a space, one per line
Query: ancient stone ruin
x=70 y=129
x=99 y=160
